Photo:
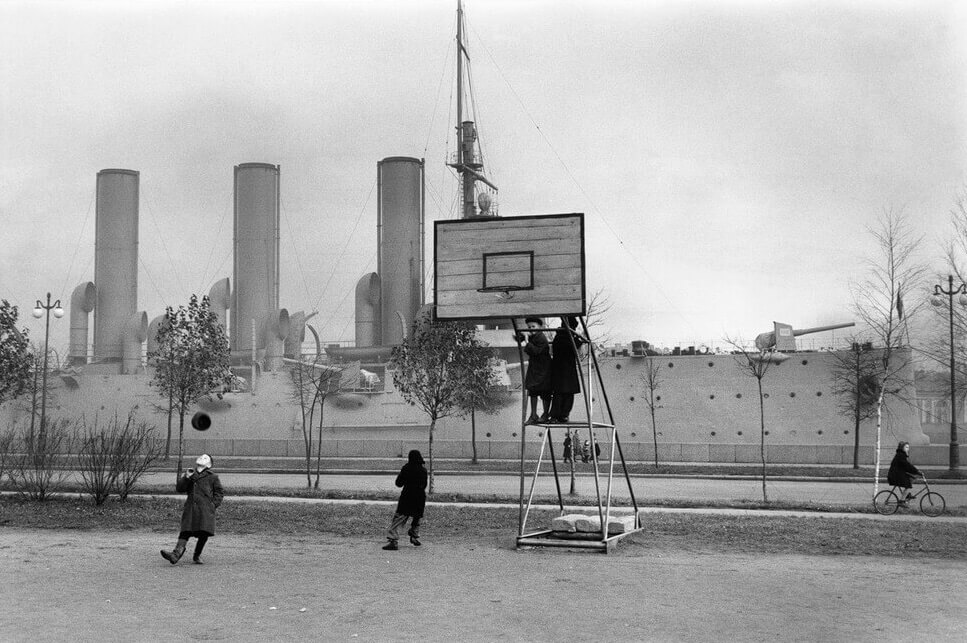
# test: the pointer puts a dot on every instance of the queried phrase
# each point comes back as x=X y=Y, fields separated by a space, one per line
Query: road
x=645 y=488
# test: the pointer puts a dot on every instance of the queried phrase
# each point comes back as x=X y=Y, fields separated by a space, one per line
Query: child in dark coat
x=537 y=381
x=412 y=478
x=205 y=493
x=565 y=380
x=902 y=471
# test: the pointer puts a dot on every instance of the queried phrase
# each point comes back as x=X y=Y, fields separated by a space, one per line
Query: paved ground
x=113 y=586
x=853 y=492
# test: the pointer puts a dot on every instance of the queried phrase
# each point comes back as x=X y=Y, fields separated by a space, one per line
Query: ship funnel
x=399 y=232
x=82 y=303
x=367 y=311
x=783 y=337
x=255 y=280
x=115 y=260
x=219 y=297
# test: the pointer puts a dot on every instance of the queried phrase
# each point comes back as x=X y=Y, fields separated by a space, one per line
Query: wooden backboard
x=503 y=267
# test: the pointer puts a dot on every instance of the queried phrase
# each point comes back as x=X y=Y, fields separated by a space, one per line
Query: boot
x=414 y=540
x=175 y=555
x=391 y=546
x=199 y=546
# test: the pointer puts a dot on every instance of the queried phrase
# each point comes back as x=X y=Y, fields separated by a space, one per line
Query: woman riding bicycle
x=902 y=471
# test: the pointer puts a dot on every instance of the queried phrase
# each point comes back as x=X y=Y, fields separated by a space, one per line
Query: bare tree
x=484 y=393
x=856 y=384
x=599 y=305
x=756 y=364
x=651 y=378
x=893 y=272
x=314 y=381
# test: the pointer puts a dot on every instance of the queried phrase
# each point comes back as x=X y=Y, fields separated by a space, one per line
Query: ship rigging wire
x=77 y=246
x=154 y=221
x=211 y=250
x=294 y=249
x=591 y=202
x=345 y=246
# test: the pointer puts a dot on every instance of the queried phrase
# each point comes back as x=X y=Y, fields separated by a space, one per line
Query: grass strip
x=497 y=526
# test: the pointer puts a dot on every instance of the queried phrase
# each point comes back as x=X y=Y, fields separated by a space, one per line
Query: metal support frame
x=599 y=541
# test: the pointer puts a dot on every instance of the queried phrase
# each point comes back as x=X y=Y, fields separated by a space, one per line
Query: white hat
x=204 y=461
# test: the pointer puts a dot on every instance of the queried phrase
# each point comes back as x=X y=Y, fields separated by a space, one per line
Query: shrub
x=6 y=450
x=135 y=452
x=34 y=472
x=112 y=458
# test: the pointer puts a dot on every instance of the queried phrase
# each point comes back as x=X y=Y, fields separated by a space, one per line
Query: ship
x=706 y=407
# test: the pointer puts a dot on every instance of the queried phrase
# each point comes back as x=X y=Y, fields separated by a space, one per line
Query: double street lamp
x=936 y=300
x=40 y=310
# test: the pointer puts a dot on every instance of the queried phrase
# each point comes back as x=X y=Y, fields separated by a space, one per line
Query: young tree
x=651 y=378
x=15 y=359
x=314 y=381
x=599 y=305
x=484 y=393
x=756 y=364
x=879 y=303
x=193 y=359
x=434 y=365
x=855 y=383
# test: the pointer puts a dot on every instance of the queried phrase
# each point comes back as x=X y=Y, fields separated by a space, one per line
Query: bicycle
x=888 y=501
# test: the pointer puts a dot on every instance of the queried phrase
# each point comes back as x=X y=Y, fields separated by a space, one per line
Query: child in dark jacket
x=902 y=471
x=537 y=381
x=413 y=479
x=205 y=494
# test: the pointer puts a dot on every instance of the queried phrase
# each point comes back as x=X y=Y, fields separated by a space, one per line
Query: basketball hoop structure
x=502 y=292
x=500 y=268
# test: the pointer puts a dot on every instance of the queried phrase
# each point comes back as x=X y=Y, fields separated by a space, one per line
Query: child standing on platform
x=537 y=381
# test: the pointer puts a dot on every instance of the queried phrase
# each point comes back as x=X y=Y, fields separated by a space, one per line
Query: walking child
x=412 y=478
x=205 y=494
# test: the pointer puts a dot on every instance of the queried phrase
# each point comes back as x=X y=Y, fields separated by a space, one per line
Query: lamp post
x=40 y=310
x=936 y=300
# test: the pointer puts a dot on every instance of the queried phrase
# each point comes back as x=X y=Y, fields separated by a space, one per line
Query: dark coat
x=538 y=378
x=564 y=363
x=902 y=471
x=204 y=495
x=412 y=478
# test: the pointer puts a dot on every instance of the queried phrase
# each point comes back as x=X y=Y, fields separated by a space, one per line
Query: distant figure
x=205 y=494
x=537 y=382
x=565 y=381
x=567 y=448
x=902 y=471
x=586 y=451
x=412 y=478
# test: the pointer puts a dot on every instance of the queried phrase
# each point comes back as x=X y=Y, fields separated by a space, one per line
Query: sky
x=730 y=157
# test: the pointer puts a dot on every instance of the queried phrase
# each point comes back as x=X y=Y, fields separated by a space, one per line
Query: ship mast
x=467 y=162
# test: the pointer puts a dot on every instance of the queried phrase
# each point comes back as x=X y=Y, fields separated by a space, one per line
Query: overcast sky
x=729 y=156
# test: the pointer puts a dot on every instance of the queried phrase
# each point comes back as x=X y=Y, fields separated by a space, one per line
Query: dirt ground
x=114 y=586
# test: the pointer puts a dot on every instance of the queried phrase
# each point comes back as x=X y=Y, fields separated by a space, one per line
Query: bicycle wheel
x=886 y=502
x=932 y=504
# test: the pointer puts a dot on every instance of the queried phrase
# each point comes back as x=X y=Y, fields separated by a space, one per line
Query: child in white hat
x=205 y=493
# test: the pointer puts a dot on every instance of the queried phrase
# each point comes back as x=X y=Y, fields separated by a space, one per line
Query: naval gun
x=783 y=337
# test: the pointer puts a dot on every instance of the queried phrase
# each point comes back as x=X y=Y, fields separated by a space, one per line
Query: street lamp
x=936 y=300
x=40 y=310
